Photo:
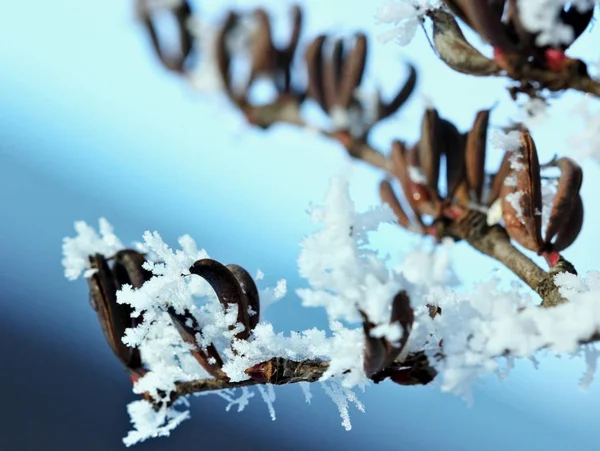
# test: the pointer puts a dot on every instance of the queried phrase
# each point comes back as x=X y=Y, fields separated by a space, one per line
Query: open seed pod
x=173 y=60
x=266 y=60
x=521 y=197
x=335 y=72
x=566 y=216
x=233 y=286
x=379 y=352
x=116 y=318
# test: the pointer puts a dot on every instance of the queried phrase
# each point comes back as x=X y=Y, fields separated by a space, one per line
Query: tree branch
x=415 y=369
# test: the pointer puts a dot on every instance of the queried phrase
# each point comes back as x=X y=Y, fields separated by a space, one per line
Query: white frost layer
x=344 y=276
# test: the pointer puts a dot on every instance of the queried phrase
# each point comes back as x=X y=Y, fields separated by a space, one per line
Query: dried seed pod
x=416 y=195
x=374 y=351
x=454 y=49
x=522 y=203
x=570 y=229
x=114 y=318
x=429 y=149
x=223 y=56
x=127 y=268
x=332 y=75
x=387 y=109
x=569 y=184
x=403 y=314
x=182 y=13
x=250 y=291
x=187 y=326
x=263 y=55
x=475 y=154
x=498 y=179
x=352 y=71
x=314 y=65
x=486 y=17
x=386 y=193
x=454 y=149
x=227 y=289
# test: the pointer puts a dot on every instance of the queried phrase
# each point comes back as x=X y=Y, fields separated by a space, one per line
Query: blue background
x=91 y=126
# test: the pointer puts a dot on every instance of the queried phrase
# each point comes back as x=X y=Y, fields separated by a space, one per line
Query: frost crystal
x=88 y=242
x=405 y=16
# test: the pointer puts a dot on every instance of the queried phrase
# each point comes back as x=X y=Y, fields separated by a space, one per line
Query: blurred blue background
x=91 y=126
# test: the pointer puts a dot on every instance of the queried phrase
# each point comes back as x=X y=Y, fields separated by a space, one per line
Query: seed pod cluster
x=379 y=352
x=418 y=168
x=522 y=201
x=176 y=59
x=113 y=317
x=499 y=23
x=266 y=59
x=233 y=286
x=335 y=71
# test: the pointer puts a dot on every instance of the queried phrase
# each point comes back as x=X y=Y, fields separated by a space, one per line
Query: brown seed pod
x=313 y=57
x=454 y=149
x=429 y=149
x=227 y=289
x=352 y=71
x=387 y=195
x=332 y=74
x=417 y=195
x=498 y=178
x=127 y=268
x=475 y=155
x=114 y=318
x=181 y=12
x=187 y=326
x=569 y=184
x=571 y=227
x=403 y=314
x=374 y=351
x=389 y=108
x=486 y=18
x=454 y=49
x=250 y=291
x=523 y=223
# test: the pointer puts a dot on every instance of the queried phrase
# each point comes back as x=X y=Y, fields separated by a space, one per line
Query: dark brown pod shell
x=353 y=69
x=486 y=17
x=429 y=149
x=387 y=109
x=374 y=351
x=250 y=291
x=332 y=75
x=454 y=149
x=403 y=314
x=415 y=194
x=187 y=326
x=572 y=226
x=314 y=66
x=498 y=178
x=475 y=154
x=523 y=223
x=127 y=268
x=569 y=184
x=226 y=287
x=114 y=318
x=387 y=195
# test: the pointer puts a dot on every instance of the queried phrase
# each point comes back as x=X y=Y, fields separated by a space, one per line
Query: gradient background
x=91 y=126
